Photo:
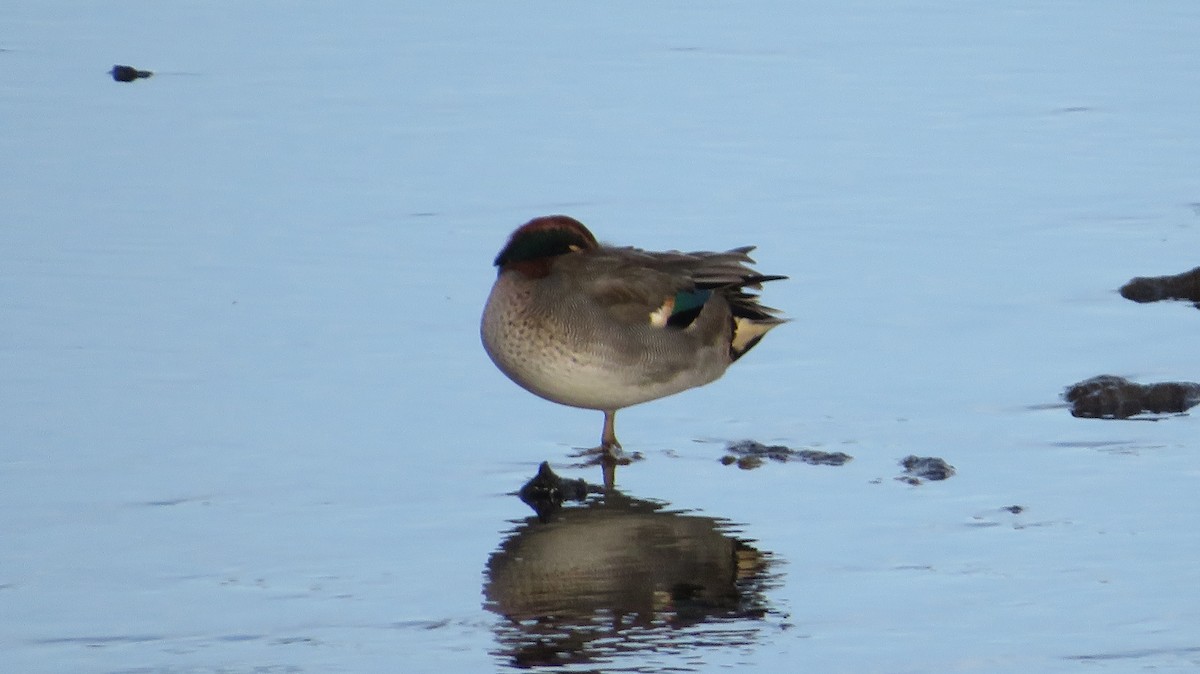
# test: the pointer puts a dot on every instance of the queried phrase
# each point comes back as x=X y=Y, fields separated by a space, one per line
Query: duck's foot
x=597 y=456
x=608 y=457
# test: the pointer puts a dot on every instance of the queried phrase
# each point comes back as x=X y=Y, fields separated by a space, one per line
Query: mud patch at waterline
x=122 y=73
x=546 y=492
x=1111 y=397
x=917 y=469
x=750 y=454
x=1185 y=286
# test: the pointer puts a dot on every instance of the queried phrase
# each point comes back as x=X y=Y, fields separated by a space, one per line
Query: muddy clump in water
x=546 y=491
x=1185 y=286
x=1112 y=397
x=919 y=468
x=128 y=73
x=749 y=454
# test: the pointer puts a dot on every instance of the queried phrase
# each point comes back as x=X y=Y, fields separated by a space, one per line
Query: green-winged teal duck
x=602 y=327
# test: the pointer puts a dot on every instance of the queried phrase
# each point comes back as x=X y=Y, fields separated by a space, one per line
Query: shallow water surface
x=247 y=424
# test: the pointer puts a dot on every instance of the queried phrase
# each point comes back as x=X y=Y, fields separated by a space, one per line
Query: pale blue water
x=246 y=424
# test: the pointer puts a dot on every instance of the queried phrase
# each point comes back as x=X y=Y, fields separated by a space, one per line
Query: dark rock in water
x=1014 y=509
x=749 y=462
x=128 y=73
x=546 y=492
x=919 y=468
x=1185 y=286
x=1111 y=397
x=749 y=454
x=815 y=457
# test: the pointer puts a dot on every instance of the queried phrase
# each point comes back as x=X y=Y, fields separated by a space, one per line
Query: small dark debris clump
x=1014 y=509
x=1112 y=397
x=128 y=73
x=1185 y=286
x=919 y=468
x=749 y=454
x=546 y=492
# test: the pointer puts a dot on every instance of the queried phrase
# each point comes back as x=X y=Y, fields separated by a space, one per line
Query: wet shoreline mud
x=917 y=469
x=1185 y=286
x=750 y=454
x=122 y=73
x=547 y=491
x=1112 y=397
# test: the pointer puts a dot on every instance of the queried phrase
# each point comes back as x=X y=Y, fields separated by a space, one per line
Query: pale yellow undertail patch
x=747 y=332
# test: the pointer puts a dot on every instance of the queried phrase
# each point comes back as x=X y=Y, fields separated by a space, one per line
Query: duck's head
x=535 y=243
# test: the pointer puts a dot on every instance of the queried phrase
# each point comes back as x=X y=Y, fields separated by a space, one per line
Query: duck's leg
x=608 y=455
x=608 y=439
x=611 y=455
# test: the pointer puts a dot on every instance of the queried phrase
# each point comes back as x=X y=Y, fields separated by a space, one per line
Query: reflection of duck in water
x=603 y=328
x=570 y=586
